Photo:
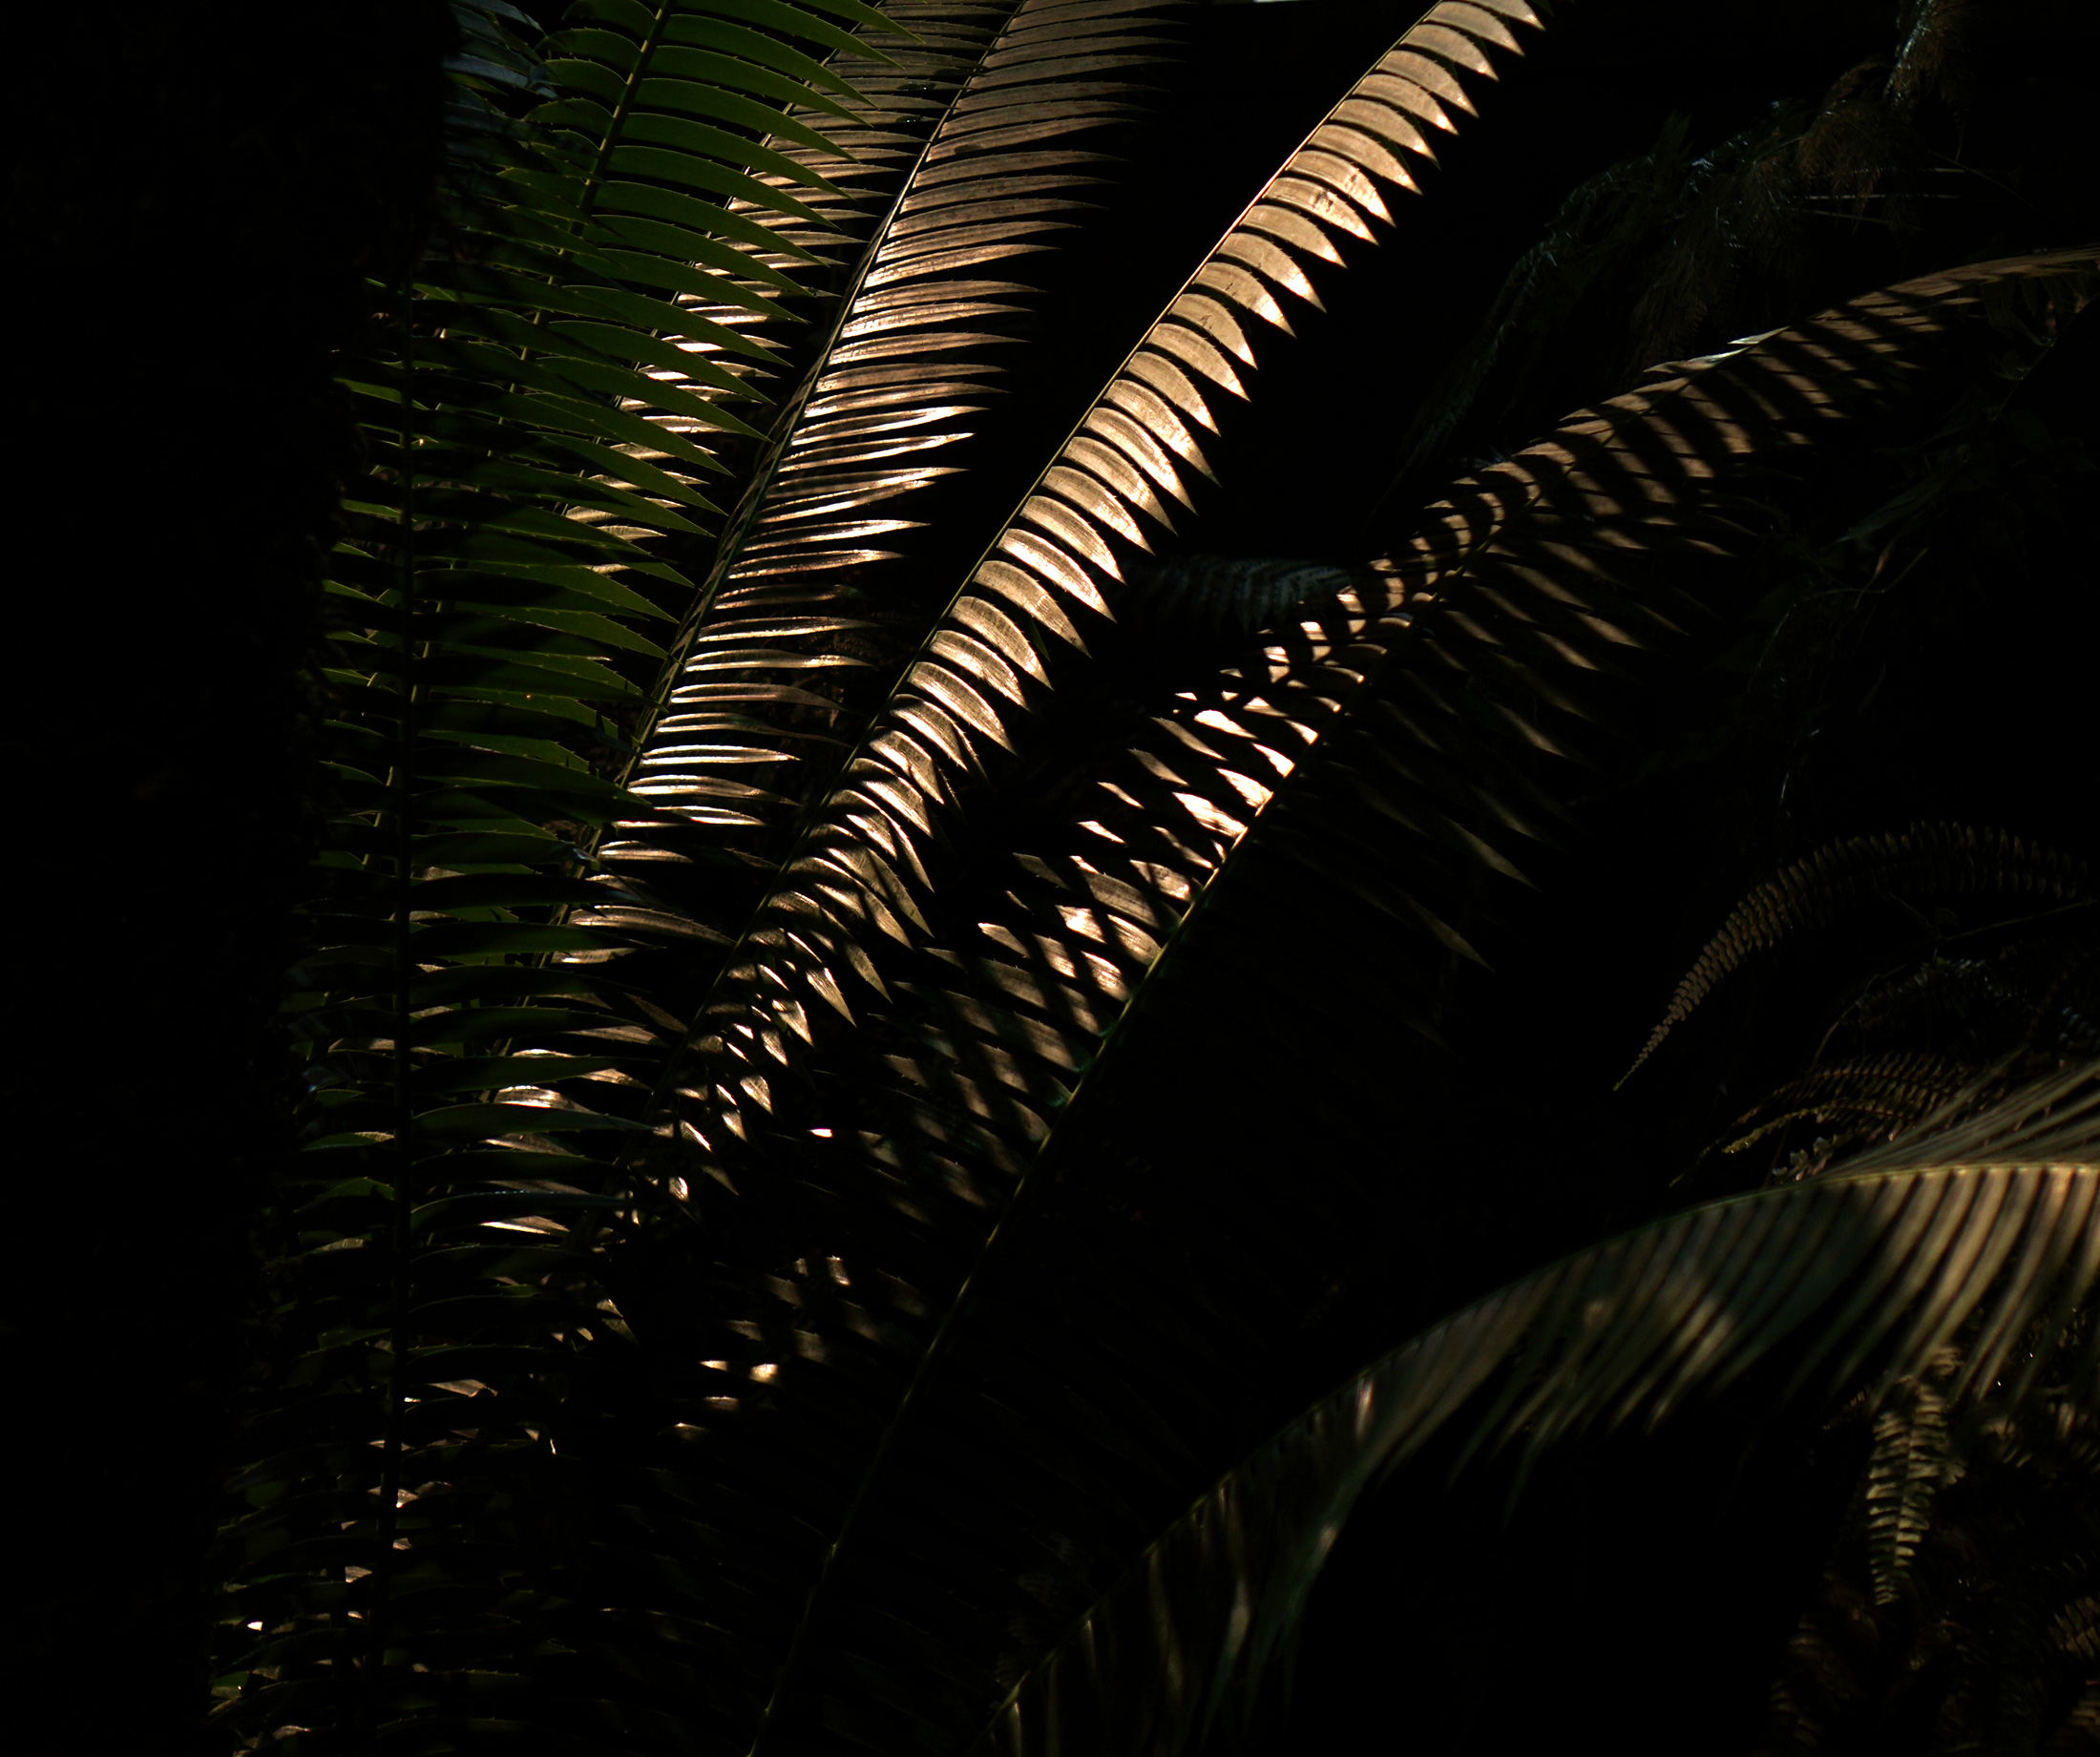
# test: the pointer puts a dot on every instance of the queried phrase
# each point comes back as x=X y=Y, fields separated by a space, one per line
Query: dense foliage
x=1107 y=869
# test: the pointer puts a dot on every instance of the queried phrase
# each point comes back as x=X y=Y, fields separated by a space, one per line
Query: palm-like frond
x=533 y=1456
x=860 y=873
x=939 y=1119
x=977 y=149
x=1385 y=776
x=853 y=873
x=2037 y=1119
x=534 y=406
x=1856 y=1279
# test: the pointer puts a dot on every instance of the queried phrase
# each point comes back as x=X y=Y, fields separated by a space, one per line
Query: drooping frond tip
x=1942 y=859
x=1863 y=1277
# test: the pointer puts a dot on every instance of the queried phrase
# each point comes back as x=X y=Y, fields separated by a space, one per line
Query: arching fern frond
x=860 y=878
x=1386 y=741
x=438 y=1506
x=1345 y=746
x=1857 y=1280
x=1926 y=859
x=1958 y=1595
x=980 y=148
x=1909 y=1463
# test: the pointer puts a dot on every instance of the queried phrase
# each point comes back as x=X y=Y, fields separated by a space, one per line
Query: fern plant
x=749 y=1280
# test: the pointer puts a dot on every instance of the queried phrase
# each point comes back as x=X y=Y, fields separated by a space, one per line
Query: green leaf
x=702 y=32
x=481 y=1023
x=699 y=98
x=486 y=1120
x=589 y=79
x=483 y=1073
x=554 y=675
x=1881 y=1263
x=720 y=71
x=637 y=473
x=694 y=214
x=620 y=383
x=689 y=170
x=793 y=22
x=483 y=849
x=618 y=53
x=433 y=941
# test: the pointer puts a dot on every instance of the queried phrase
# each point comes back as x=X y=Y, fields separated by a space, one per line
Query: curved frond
x=1858 y=1278
x=1350 y=745
x=1883 y=1093
x=859 y=880
x=1908 y=1465
x=1930 y=859
x=536 y=405
x=859 y=875
x=1342 y=745
x=1988 y=1119
x=977 y=151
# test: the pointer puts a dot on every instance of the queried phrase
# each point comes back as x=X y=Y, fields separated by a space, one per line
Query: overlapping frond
x=478 y=1502
x=2050 y=1117
x=1401 y=724
x=1857 y=1280
x=861 y=872
x=976 y=150
x=427 y=1480
x=859 y=879
x=1924 y=860
x=1398 y=783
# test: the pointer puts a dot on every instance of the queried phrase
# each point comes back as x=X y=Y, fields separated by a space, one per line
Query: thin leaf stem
x=627 y=97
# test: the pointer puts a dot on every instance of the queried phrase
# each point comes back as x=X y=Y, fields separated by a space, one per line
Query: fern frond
x=1886 y=1094
x=1343 y=744
x=1979 y=1637
x=1859 y=1278
x=857 y=886
x=979 y=150
x=1910 y=1462
x=444 y=1462
x=1926 y=859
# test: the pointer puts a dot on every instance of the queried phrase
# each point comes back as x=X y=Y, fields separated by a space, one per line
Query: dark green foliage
x=885 y=1014
x=1927 y=859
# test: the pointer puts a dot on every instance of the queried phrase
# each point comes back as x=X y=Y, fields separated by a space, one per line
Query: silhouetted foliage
x=978 y=732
